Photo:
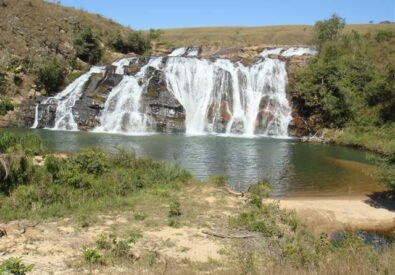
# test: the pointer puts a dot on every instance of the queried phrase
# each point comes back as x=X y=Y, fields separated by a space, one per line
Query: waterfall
x=223 y=88
x=65 y=100
x=122 y=111
x=218 y=96
x=185 y=51
x=289 y=52
x=120 y=64
x=35 y=124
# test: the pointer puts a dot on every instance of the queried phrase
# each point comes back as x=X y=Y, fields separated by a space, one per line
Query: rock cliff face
x=159 y=103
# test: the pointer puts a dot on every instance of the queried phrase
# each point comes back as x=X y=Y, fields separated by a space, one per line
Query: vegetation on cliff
x=350 y=85
x=43 y=42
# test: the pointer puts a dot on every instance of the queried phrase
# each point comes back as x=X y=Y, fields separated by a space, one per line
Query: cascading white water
x=178 y=52
x=65 y=101
x=289 y=52
x=218 y=96
x=64 y=116
x=120 y=64
x=35 y=124
x=185 y=51
x=202 y=86
x=297 y=51
x=122 y=112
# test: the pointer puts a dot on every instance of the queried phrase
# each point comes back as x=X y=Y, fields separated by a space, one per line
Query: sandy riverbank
x=332 y=214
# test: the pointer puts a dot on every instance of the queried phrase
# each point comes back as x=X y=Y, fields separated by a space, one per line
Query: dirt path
x=332 y=214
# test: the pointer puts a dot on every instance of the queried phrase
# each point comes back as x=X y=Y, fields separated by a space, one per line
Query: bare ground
x=333 y=214
x=55 y=246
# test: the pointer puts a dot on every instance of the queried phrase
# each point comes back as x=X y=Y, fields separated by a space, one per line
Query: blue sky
x=145 y=14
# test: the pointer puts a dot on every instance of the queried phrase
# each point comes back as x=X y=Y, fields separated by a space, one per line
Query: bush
x=31 y=144
x=3 y=83
x=134 y=236
x=261 y=189
x=175 y=209
x=91 y=256
x=91 y=161
x=219 y=180
x=383 y=35
x=135 y=42
x=5 y=106
x=155 y=34
x=351 y=82
x=138 y=43
x=328 y=30
x=386 y=171
x=51 y=75
x=14 y=266
x=87 y=46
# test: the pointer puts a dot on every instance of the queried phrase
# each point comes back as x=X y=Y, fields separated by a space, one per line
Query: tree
x=328 y=30
x=155 y=34
x=51 y=75
x=87 y=46
x=137 y=42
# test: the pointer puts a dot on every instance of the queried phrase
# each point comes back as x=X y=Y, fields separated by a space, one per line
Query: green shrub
x=14 y=266
x=139 y=216
x=175 y=209
x=92 y=256
x=386 y=171
x=121 y=249
x=174 y=222
x=53 y=165
x=218 y=180
x=328 y=30
x=103 y=242
x=91 y=161
x=383 y=35
x=155 y=34
x=135 y=42
x=83 y=180
x=51 y=75
x=134 y=236
x=350 y=83
x=261 y=189
x=5 y=106
x=3 y=83
x=87 y=46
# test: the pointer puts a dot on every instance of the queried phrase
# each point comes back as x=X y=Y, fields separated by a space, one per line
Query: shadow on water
x=384 y=199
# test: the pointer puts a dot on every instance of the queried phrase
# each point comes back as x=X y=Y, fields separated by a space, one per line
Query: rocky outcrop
x=160 y=104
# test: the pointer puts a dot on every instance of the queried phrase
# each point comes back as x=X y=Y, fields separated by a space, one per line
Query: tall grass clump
x=90 y=179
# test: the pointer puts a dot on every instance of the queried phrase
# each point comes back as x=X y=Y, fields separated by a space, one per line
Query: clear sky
x=145 y=14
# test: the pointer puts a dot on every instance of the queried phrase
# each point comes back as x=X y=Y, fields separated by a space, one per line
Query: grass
x=251 y=36
x=15 y=266
x=376 y=139
x=82 y=183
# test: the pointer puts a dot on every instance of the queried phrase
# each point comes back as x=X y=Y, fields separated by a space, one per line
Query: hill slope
x=253 y=36
x=33 y=29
